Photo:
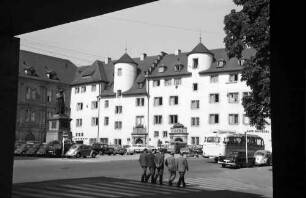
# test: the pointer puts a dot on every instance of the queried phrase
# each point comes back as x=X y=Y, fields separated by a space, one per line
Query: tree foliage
x=250 y=27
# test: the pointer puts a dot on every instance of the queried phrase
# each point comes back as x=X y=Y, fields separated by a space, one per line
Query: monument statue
x=60 y=107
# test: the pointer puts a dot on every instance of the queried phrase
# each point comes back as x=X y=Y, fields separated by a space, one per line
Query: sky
x=165 y=25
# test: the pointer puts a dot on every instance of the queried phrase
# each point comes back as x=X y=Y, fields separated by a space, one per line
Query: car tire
x=78 y=155
x=223 y=165
x=93 y=155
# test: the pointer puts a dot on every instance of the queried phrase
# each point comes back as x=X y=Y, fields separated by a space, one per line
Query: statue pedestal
x=59 y=128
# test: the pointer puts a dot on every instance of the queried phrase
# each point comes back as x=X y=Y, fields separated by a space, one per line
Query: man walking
x=151 y=165
x=159 y=163
x=182 y=166
x=170 y=163
x=144 y=164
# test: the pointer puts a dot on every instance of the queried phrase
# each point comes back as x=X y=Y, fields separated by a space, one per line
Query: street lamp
x=246 y=147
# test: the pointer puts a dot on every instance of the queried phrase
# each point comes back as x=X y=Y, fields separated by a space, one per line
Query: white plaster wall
x=126 y=80
x=86 y=114
x=205 y=60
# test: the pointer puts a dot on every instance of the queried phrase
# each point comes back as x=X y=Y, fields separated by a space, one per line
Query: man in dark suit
x=159 y=163
x=182 y=166
x=171 y=164
x=151 y=165
x=144 y=164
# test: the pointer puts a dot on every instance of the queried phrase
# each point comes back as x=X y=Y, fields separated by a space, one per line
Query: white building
x=168 y=98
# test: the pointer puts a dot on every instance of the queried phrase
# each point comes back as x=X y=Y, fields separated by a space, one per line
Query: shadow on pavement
x=115 y=187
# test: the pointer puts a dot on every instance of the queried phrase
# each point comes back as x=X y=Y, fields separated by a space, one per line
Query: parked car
x=137 y=148
x=237 y=159
x=53 y=148
x=263 y=157
x=129 y=149
x=18 y=144
x=185 y=150
x=151 y=148
x=22 y=149
x=170 y=150
x=33 y=148
x=81 y=150
x=120 y=150
x=102 y=148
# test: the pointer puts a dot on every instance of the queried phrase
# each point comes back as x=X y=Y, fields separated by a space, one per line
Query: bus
x=223 y=142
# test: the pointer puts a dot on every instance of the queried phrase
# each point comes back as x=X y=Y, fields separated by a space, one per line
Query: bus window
x=213 y=139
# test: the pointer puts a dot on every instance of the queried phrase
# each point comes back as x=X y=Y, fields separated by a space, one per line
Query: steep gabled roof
x=125 y=58
x=42 y=64
x=200 y=49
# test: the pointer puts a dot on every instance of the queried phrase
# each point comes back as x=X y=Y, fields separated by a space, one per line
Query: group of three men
x=155 y=164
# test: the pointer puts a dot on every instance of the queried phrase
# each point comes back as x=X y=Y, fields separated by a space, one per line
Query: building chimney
x=107 y=60
x=143 y=56
x=177 y=52
x=163 y=53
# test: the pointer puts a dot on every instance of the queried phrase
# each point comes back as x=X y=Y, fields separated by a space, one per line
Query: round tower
x=200 y=58
x=125 y=71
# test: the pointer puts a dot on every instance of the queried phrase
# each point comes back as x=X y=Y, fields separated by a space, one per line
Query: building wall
x=33 y=107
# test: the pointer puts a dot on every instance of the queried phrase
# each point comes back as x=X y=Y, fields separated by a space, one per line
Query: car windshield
x=74 y=147
x=213 y=139
x=259 y=153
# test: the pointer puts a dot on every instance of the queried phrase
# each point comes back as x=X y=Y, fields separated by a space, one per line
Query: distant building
x=40 y=77
x=145 y=100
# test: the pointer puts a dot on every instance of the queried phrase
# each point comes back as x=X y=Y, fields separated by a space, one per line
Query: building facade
x=40 y=78
x=163 y=99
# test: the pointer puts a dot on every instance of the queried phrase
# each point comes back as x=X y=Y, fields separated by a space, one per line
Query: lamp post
x=65 y=135
x=246 y=147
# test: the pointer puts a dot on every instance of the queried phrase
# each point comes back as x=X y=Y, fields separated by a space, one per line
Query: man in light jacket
x=170 y=163
x=182 y=166
x=144 y=164
x=159 y=163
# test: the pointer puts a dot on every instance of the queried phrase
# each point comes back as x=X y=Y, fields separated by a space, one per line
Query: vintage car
x=33 y=148
x=21 y=150
x=237 y=159
x=53 y=148
x=137 y=148
x=120 y=150
x=103 y=148
x=263 y=157
x=81 y=150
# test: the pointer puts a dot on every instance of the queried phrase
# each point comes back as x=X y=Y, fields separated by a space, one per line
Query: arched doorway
x=30 y=137
x=139 y=141
x=178 y=140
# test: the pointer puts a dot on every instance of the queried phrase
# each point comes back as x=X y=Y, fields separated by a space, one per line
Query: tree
x=246 y=28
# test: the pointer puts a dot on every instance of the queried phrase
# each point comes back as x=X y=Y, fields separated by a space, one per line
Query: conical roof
x=200 y=48
x=125 y=58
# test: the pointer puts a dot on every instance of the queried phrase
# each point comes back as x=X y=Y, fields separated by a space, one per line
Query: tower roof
x=200 y=48
x=125 y=58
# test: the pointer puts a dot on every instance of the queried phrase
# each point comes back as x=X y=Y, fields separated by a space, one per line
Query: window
x=93 y=88
x=158 y=119
x=140 y=85
x=178 y=67
x=156 y=133
x=195 y=86
x=106 y=121
x=94 y=104
x=83 y=89
x=49 y=96
x=173 y=119
x=117 y=141
x=104 y=140
x=233 y=97
x=158 y=101
x=79 y=106
x=78 y=122
x=139 y=102
x=220 y=63
x=173 y=100
x=233 y=119
x=245 y=94
x=161 y=69
x=27 y=115
x=33 y=115
x=156 y=83
x=33 y=94
x=233 y=77
x=118 y=125
x=118 y=93
x=246 y=120
x=241 y=61
x=139 y=120
x=195 y=104
x=106 y=104
x=214 y=78
x=53 y=124
x=168 y=82
x=195 y=121
x=165 y=134
x=118 y=109
x=177 y=81
x=195 y=140
x=119 y=72
x=94 y=121
x=213 y=118
x=28 y=93
x=77 y=90
x=195 y=63
x=213 y=98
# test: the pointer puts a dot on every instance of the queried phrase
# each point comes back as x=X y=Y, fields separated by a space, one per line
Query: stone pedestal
x=59 y=128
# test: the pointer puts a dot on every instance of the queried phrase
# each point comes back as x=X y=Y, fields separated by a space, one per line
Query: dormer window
x=162 y=69
x=195 y=63
x=241 y=61
x=178 y=67
x=221 y=63
x=52 y=75
x=118 y=93
x=140 y=85
x=30 y=71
